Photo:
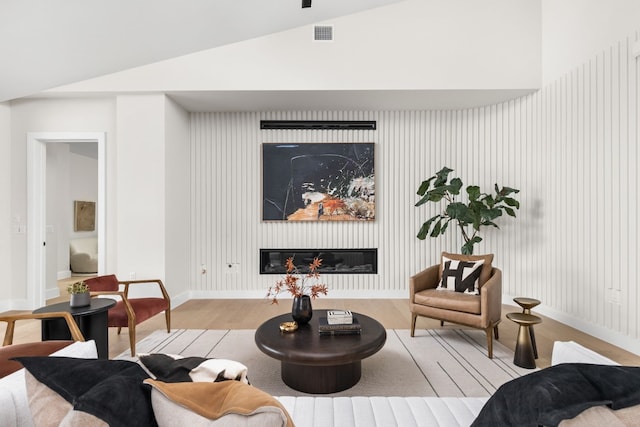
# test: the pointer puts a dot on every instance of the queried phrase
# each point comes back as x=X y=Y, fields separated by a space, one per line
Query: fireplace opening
x=334 y=261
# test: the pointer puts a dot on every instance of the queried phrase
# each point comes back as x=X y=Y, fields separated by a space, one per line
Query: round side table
x=523 y=356
x=527 y=304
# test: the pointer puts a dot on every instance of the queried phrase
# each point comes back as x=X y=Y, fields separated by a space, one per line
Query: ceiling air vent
x=323 y=33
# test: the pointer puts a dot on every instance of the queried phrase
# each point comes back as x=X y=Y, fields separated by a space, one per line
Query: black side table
x=91 y=319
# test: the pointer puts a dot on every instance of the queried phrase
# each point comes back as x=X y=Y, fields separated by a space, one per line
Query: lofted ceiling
x=49 y=43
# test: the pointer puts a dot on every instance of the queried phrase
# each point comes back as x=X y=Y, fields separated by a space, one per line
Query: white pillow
x=572 y=352
x=79 y=349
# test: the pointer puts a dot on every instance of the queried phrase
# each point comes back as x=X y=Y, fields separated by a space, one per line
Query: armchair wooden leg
x=489 y=333
x=167 y=315
x=441 y=323
x=495 y=332
x=413 y=323
x=119 y=330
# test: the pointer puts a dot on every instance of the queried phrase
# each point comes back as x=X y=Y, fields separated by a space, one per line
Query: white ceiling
x=49 y=43
x=342 y=100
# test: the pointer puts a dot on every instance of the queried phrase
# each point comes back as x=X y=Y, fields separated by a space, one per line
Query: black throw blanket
x=548 y=396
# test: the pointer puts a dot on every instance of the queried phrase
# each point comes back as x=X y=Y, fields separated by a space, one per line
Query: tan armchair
x=131 y=311
x=477 y=311
x=42 y=348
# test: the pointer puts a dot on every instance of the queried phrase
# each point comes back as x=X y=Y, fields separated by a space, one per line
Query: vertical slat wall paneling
x=633 y=301
x=571 y=148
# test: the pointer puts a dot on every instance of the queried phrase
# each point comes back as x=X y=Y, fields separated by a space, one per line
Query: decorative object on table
x=318 y=182
x=326 y=328
x=481 y=209
x=297 y=284
x=80 y=295
x=301 y=309
x=335 y=317
x=288 y=326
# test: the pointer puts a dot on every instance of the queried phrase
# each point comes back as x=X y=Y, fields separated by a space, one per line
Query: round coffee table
x=317 y=364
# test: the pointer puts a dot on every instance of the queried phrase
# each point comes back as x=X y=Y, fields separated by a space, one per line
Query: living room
x=183 y=185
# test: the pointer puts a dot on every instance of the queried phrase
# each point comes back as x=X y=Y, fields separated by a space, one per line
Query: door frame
x=36 y=205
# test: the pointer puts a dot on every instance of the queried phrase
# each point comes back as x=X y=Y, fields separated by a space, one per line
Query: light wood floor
x=392 y=313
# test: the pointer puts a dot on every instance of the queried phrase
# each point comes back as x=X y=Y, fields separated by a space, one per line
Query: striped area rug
x=436 y=362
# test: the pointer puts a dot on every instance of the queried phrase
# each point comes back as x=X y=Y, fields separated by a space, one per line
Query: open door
x=36 y=204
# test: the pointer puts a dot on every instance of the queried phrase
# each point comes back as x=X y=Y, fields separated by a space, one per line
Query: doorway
x=36 y=201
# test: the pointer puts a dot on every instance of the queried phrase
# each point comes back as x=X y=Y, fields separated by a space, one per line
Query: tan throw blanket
x=214 y=400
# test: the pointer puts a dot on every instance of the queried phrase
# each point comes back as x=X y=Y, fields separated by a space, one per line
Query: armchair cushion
x=454 y=301
x=485 y=274
x=107 y=283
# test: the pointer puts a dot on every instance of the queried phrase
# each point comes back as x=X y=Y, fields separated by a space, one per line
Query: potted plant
x=298 y=285
x=480 y=210
x=80 y=294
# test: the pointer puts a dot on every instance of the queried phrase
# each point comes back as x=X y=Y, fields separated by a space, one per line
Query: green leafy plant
x=481 y=209
x=78 y=288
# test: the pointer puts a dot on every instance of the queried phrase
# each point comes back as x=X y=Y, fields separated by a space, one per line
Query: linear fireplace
x=334 y=261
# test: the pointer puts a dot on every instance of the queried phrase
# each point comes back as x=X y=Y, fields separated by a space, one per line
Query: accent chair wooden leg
x=495 y=332
x=167 y=315
x=442 y=323
x=132 y=341
x=489 y=333
x=119 y=330
x=414 y=317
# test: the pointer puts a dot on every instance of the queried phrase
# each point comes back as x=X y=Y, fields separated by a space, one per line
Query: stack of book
x=339 y=323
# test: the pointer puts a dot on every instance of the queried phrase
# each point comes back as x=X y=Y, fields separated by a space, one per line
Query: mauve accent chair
x=42 y=348
x=130 y=312
x=482 y=311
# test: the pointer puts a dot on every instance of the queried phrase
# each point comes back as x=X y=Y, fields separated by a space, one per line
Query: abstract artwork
x=85 y=216
x=318 y=182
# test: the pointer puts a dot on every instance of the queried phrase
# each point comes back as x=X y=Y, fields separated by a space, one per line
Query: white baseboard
x=612 y=337
x=52 y=293
x=64 y=274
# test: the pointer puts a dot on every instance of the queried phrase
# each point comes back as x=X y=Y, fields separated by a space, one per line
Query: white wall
x=57 y=183
x=141 y=186
x=80 y=183
x=6 y=222
x=54 y=115
x=177 y=207
x=413 y=44
x=83 y=183
x=575 y=30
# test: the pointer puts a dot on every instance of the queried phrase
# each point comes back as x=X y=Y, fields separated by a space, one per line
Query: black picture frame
x=318 y=181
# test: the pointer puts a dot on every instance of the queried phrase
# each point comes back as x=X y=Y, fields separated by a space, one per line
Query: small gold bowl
x=288 y=326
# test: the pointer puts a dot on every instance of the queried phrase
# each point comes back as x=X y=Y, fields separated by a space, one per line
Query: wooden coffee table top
x=306 y=346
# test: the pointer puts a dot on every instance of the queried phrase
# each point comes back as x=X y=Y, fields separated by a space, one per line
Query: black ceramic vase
x=301 y=309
